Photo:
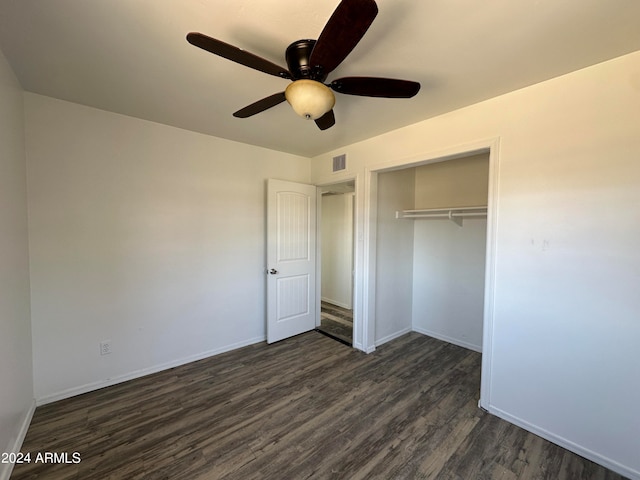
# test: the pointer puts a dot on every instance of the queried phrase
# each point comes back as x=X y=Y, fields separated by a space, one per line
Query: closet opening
x=431 y=250
x=336 y=241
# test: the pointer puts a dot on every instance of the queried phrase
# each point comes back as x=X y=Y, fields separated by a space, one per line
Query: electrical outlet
x=105 y=347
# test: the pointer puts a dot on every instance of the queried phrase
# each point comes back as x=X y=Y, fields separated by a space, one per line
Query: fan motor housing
x=297 y=56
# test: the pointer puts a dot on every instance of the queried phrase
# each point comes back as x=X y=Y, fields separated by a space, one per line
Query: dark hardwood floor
x=336 y=322
x=306 y=407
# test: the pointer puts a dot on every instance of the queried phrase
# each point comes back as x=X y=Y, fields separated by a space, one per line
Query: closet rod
x=455 y=214
x=445 y=215
x=445 y=209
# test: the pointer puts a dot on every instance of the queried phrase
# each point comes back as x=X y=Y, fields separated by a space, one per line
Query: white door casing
x=291 y=259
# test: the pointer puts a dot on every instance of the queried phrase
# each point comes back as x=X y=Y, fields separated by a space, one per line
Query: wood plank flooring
x=306 y=407
x=336 y=322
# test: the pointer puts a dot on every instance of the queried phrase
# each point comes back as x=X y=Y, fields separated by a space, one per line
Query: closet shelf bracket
x=455 y=214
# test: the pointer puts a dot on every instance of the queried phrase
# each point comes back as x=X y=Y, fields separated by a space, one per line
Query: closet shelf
x=455 y=214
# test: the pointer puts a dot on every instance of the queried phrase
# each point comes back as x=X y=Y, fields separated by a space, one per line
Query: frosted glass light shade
x=309 y=99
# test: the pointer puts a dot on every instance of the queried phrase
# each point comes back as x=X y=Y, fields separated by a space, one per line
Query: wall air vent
x=340 y=162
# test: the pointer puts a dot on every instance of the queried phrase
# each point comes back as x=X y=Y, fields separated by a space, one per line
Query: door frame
x=366 y=273
x=356 y=293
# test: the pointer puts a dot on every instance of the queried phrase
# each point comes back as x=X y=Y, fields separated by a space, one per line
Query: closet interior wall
x=430 y=272
x=394 y=255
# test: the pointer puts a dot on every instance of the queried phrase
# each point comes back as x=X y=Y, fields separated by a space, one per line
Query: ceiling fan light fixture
x=310 y=99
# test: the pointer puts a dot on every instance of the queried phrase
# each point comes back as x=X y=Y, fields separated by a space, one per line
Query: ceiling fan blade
x=376 y=87
x=237 y=55
x=341 y=34
x=328 y=120
x=260 y=105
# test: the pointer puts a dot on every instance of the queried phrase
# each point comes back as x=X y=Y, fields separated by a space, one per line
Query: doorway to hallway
x=336 y=240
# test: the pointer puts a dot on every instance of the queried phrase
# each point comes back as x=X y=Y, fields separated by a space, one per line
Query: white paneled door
x=291 y=259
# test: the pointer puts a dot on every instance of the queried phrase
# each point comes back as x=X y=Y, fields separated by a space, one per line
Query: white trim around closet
x=492 y=146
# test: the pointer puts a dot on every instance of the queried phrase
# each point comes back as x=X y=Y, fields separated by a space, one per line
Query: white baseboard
x=393 y=336
x=564 y=443
x=89 y=387
x=7 y=468
x=445 y=338
x=359 y=346
x=336 y=303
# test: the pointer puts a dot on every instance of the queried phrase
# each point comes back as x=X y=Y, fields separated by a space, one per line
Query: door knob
x=273 y=271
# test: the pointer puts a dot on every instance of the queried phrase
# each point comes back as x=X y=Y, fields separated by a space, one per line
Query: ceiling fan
x=311 y=61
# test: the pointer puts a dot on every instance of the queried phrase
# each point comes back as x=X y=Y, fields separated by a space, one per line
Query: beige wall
x=563 y=309
x=16 y=379
x=463 y=182
x=146 y=235
x=394 y=256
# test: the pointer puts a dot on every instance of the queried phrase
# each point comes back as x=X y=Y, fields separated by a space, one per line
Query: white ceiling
x=131 y=57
